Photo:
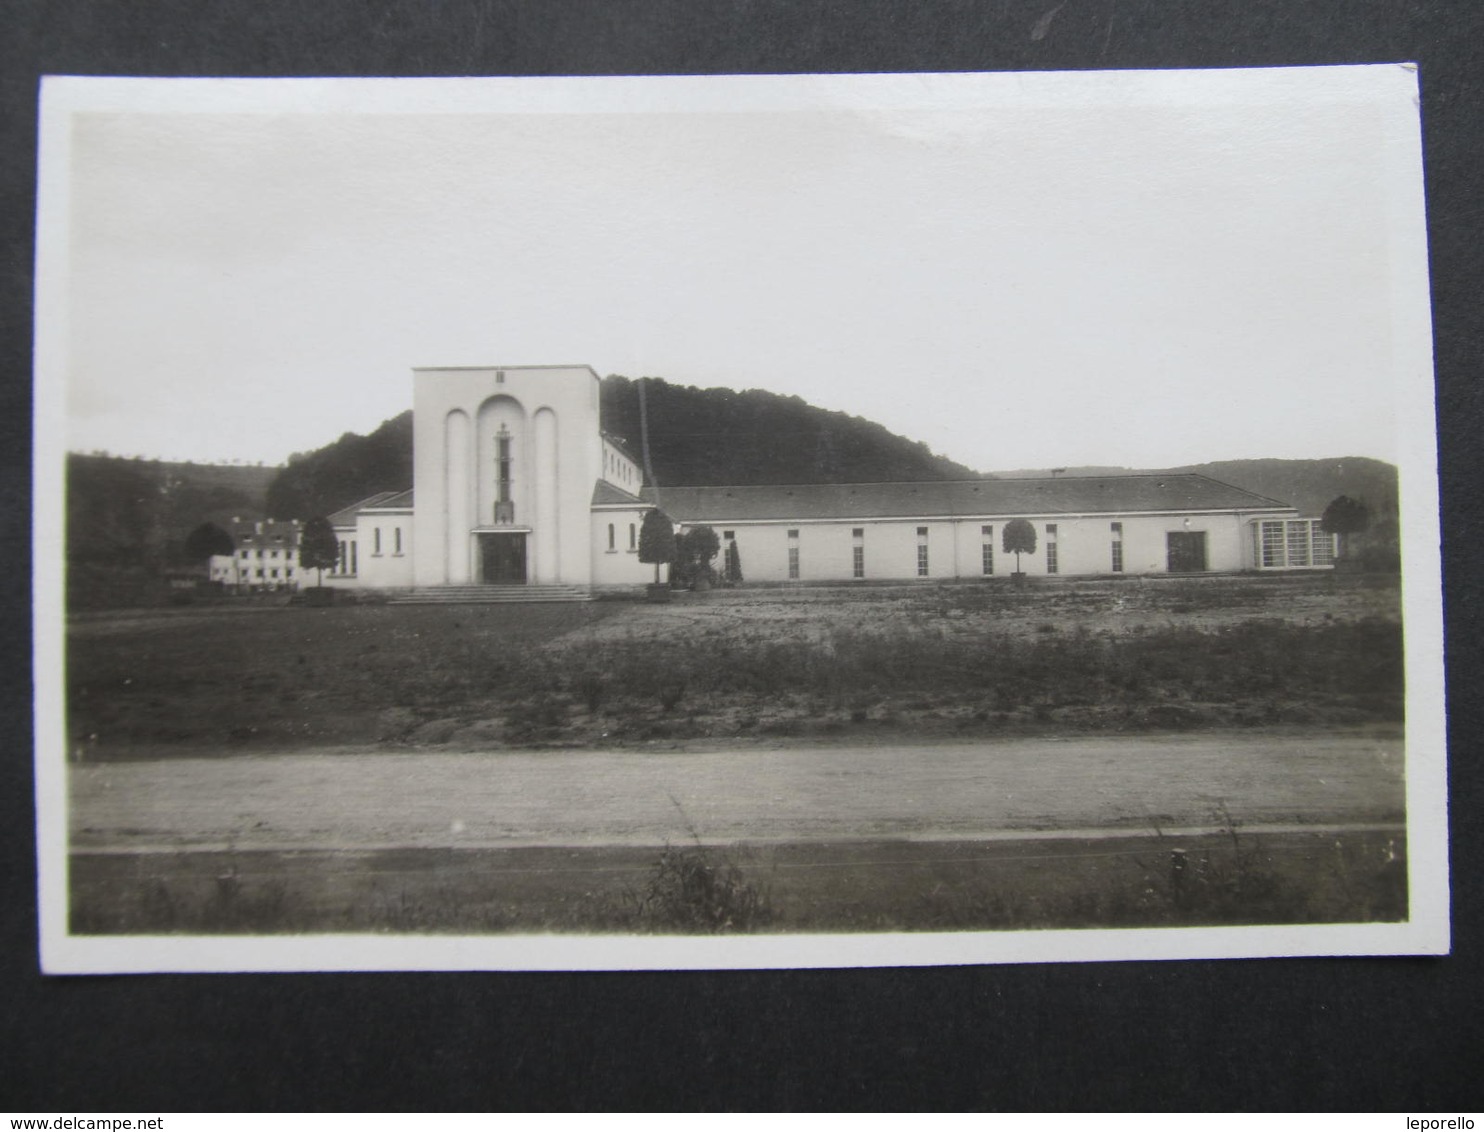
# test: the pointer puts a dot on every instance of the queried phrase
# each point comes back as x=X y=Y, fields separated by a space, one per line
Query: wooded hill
x=131 y=512
x=696 y=437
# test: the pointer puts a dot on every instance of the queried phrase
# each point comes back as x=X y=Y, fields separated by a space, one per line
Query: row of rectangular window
x=396 y=540
x=858 y=551
x=1284 y=543
x=633 y=537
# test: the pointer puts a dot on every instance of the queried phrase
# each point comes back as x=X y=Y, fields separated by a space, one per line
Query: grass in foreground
x=1124 y=882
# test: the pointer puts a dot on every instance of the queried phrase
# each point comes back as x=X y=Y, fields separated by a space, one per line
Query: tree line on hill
x=697 y=437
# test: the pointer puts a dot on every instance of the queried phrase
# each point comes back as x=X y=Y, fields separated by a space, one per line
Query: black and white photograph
x=736 y=521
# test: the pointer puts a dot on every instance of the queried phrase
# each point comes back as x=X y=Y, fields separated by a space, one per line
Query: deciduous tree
x=1018 y=538
x=207 y=540
x=1344 y=517
x=695 y=550
x=657 y=540
x=318 y=547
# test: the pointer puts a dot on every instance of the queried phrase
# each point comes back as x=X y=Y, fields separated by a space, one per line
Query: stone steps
x=490 y=595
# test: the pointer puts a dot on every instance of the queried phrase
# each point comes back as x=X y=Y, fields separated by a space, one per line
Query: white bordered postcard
x=746 y=521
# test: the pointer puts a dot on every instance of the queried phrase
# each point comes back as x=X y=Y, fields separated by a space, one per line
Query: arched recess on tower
x=503 y=462
x=458 y=498
x=546 y=482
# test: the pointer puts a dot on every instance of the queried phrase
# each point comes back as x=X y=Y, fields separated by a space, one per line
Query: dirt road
x=366 y=800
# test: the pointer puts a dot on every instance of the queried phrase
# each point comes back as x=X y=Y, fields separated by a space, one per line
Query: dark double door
x=1187 y=552
x=502 y=559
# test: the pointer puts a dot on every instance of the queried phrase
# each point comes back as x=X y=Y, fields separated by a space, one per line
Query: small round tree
x=1018 y=538
x=695 y=550
x=1343 y=517
x=206 y=541
x=657 y=541
x=319 y=549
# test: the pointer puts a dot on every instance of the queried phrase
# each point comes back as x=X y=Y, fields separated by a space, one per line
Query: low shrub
x=694 y=889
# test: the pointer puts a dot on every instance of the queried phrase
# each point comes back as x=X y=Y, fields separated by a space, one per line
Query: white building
x=516 y=484
x=266 y=556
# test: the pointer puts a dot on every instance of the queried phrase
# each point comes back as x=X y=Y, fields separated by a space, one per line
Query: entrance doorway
x=1187 y=552
x=502 y=559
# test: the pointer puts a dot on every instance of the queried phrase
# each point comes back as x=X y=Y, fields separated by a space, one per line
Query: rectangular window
x=857 y=533
x=344 y=559
x=1051 y=557
x=633 y=537
x=1298 y=544
x=1324 y=545
x=986 y=552
x=1117 y=531
x=352 y=556
x=397 y=540
x=858 y=562
x=376 y=541
x=502 y=466
x=793 y=555
x=728 y=536
x=1271 y=546
x=922 y=552
x=610 y=537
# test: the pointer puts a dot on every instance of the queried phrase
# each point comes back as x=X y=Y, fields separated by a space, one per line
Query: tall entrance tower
x=504 y=463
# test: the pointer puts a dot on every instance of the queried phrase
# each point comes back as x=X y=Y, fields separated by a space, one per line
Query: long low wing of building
x=1140 y=524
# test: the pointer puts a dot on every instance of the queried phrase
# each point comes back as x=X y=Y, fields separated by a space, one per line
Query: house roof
x=346 y=516
x=395 y=501
x=605 y=492
x=1065 y=495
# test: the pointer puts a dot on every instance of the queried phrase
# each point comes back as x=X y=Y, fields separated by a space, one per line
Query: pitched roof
x=605 y=492
x=400 y=500
x=346 y=516
x=1065 y=495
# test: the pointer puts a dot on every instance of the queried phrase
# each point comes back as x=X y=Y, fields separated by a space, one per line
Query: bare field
x=831 y=664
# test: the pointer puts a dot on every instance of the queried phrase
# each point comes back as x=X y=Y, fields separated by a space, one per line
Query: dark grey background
x=1319 y=1033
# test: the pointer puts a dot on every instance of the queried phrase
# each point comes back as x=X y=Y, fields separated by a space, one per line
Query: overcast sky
x=1126 y=270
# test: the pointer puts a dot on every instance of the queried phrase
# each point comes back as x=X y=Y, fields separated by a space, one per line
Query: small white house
x=266 y=556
